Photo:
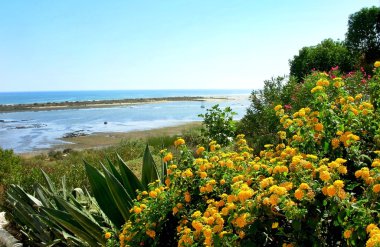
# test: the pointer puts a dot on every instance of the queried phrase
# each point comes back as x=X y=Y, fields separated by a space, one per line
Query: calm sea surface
x=34 y=130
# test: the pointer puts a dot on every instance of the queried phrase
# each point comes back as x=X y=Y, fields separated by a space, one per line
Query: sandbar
x=98 y=103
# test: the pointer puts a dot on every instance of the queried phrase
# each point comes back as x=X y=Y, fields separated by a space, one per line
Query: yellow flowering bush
x=319 y=185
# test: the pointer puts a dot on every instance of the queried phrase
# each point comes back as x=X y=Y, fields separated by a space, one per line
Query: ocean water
x=9 y=98
x=35 y=130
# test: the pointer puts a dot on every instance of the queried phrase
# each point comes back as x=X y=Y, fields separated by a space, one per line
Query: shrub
x=318 y=186
x=219 y=124
x=259 y=123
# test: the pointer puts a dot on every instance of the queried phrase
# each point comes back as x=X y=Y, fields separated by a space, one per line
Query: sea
x=30 y=131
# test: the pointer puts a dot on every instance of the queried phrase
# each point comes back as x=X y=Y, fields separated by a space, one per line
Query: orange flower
x=179 y=142
x=370 y=227
x=175 y=210
x=335 y=143
x=241 y=220
x=376 y=188
x=203 y=174
x=200 y=150
x=339 y=183
x=304 y=186
x=298 y=194
x=324 y=176
x=278 y=107
x=347 y=234
x=187 y=197
x=151 y=233
x=107 y=235
x=331 y=190
x=318 y=127
x=197 y=225
x=153 y=194
x=168 y=157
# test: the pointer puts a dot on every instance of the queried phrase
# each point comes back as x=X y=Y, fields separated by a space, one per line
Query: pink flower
x=287 y=106
x=334 y=68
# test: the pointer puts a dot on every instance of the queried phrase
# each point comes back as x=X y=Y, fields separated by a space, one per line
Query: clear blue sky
x=141 y=44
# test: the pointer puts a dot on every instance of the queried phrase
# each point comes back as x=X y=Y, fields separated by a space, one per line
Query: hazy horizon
x=151 y=45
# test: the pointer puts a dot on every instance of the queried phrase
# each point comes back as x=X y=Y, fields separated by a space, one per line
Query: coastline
x=106 y=139
x=98 y=103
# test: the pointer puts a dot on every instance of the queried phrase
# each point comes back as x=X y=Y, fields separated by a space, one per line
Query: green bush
x=259 y=122
x=219 y=125
x=319 y=185
x=9 y=164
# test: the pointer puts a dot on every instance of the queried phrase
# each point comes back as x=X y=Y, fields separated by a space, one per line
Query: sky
x=52 y=45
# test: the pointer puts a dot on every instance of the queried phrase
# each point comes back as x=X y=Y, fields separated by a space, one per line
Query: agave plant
x=55 y=217
x=115 y=190
x=36 y=224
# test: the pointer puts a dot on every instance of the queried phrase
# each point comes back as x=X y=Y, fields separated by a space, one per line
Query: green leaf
x=130 y=181
x=41 y=195
x=149 y=169
x=326 y=147
x=73 y=226
x=64 y=187
x=114 y=171
x=85 y=220
x=103 y=196
x=120 y=196
x=49 y=183
x=164 y=172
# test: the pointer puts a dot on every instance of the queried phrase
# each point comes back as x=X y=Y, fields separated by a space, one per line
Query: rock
x=6 y=239
x=75 y=134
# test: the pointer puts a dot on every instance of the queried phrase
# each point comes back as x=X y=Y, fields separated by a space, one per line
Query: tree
x=363 y=35
x=322 y=57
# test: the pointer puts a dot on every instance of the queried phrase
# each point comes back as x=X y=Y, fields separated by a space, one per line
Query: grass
x=25 y=170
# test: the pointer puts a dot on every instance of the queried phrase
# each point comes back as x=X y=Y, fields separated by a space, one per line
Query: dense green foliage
x=219 y=124
x=70 y=217
x=10 y=164
x=361 y=47
x=318 y=185
x=322 y=57
x=363 y=35
x=259 y=122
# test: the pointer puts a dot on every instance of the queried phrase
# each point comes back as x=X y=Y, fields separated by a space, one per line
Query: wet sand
x=106 y=139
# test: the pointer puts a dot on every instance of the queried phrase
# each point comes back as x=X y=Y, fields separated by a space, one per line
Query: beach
x=42 y=126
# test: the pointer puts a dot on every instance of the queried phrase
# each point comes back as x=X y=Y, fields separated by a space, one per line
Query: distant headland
x=97 y=103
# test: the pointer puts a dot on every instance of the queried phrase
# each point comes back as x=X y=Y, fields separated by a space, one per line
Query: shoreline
x=99 y=103
x=100 y=140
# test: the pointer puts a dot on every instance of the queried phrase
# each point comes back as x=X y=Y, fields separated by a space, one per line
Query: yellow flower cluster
x=221 y=192
x=179 y=142
x=374 y=235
